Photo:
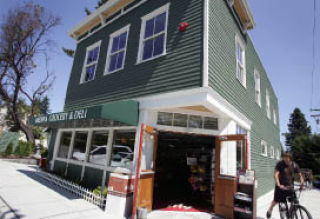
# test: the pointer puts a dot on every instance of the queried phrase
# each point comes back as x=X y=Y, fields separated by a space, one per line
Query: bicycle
x=291 y=209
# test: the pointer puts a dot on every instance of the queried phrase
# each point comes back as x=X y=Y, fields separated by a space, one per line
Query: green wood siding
x=222 y=78
x=181 y=68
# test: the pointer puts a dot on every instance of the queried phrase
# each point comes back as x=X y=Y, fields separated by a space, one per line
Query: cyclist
x=284 y=177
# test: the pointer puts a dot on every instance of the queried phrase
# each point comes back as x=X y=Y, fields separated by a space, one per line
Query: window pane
x=64 y=144
x=160 y=23
x=115 y=44
x=165 y=119
x=98 y=148
x=180 y=120
x=210 y=123
x=147 y=50
x=228 y=158
x=123 y=149
x=123 y=40
x=79 y=148
x=158 y=45
x=239 y=155
x=113 y=62
x=90 y=73
x=195 y=122
x=149 y=28
x=95 y=53
x=120 y=59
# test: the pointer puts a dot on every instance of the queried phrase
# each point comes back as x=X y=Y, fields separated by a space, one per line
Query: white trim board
x=205 y=75
x=204 y=96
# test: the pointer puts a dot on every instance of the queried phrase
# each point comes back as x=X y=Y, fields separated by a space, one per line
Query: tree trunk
x=27 y=130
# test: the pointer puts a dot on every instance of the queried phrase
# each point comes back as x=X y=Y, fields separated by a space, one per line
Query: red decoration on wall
x=183 y=26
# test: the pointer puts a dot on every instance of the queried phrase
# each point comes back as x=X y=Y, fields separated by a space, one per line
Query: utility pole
x=316 y=116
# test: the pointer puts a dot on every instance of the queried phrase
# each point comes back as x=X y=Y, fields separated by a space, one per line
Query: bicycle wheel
x=283 y=211
x=301 y=212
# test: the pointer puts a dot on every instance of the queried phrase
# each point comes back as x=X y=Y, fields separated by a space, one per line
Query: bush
x=8 y=150
x=24 y=149
x=97 y=191
x=44 y=153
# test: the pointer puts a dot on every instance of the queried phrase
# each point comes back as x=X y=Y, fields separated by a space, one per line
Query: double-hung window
x=91 y=62
x=153 y=34
x=257 y=87
x=275 y=117
x=268 y=104
x=264 y=148
x=240 y=57
x=272 y=152
x=117 y=50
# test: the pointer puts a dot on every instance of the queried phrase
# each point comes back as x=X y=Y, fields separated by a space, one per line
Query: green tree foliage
x=306 y=152
x=8 y=150
x=297 y=126
x=68 y=52
x=100 y=3
x=88 y=12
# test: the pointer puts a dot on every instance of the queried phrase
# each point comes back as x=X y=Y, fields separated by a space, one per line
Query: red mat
x=183 y=208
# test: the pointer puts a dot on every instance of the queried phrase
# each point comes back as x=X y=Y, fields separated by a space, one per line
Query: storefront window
x=79 y=147
x=180 y=120
x=123 y=149
x=195 y=122
x=65 y=141
x=98 y=148
x=210 y=123
x=165 y=119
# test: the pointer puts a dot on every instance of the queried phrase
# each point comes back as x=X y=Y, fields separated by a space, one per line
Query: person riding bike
x=284 y=178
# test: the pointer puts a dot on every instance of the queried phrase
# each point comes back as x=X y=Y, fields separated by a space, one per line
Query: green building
x=186 y=75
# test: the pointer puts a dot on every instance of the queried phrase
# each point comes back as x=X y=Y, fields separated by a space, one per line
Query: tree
x=297 y=126
x=100 y=3
x=24 y=38
x=68 y=52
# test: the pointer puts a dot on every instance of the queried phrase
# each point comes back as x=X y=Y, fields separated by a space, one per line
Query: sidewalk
x=30 y=197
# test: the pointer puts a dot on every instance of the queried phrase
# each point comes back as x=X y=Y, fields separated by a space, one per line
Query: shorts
x=280 y=195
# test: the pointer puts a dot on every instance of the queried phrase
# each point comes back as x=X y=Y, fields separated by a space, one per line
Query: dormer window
x=91 y=62
x=117 y=50
x=153 y=34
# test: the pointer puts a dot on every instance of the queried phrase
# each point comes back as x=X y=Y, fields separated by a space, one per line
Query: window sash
x=93 y=50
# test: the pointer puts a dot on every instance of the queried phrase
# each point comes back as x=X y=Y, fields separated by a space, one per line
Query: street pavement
x=24 y=195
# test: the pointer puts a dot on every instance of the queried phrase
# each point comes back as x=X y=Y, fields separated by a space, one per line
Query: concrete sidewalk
x=24 y=195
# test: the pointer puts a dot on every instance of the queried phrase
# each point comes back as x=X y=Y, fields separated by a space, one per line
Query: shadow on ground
x=52 y=186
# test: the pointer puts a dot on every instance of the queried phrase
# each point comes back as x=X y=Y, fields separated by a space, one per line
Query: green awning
x=126 y=112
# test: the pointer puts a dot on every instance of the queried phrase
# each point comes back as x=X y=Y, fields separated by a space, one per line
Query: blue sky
x=282 y=37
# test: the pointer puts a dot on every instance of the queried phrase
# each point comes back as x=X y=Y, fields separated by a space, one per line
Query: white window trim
x=272 y=153
x=156 y=12
x=239 y=41
x=275 y=120
x=111 y=36
x=268 y=104
x=256 y=75
x=96 y=44
x=264 y=144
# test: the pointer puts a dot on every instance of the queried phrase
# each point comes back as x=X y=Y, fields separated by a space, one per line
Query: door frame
x=225 y=185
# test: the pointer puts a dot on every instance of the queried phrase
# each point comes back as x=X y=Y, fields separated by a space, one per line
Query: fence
x=75 y=189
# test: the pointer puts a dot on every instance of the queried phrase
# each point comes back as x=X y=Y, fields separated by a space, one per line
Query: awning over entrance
x=126 y=112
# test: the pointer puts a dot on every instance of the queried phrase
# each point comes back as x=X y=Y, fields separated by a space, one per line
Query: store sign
x=63 y=116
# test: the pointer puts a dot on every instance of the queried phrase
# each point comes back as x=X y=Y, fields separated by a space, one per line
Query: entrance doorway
x=184 y=171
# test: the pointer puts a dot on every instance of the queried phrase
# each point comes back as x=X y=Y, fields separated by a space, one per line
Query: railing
x=74 y=188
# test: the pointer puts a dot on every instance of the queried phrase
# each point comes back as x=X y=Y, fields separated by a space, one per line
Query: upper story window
x=275 y=117
x=117 y=50
x=241 y=62
x=272 y=152
x=264 y=148
x=257 y=87
x=153 y=34
x=91 y=62
x=268 y=104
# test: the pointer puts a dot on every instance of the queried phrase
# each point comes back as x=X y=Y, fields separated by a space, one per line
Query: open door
x=146 y=181
x=230 y=156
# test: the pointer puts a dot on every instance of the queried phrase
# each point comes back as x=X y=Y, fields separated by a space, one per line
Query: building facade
x=188 y=71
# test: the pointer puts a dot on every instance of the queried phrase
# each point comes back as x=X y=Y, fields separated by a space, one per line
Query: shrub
x=44 y=153
x=24 y=149
x=98 y=191
x=8 y=150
